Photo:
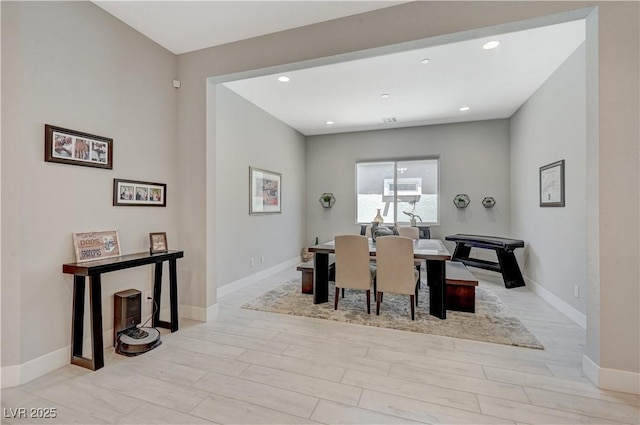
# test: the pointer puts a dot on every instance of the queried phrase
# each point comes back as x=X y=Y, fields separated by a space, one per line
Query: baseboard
x=200 y=314
x=577 y=317
x=256 y=277
x=611 y=379
x=12 y=376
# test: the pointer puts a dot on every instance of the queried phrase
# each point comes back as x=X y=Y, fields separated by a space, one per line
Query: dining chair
x=413 y=233
x=395 y=270
x=353 y=269
x=409 y=232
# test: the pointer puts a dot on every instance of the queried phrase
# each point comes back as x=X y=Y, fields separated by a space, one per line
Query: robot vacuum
x=136 y=341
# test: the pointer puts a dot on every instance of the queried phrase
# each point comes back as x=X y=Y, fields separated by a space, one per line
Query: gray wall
x=549 y=127
x=247 y=136
x=73 y=65
x=474 y=159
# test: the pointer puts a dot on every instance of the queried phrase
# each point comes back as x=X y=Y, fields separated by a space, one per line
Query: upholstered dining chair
x=395 y=270
x=409 y=232
x=413 y=233
x=353 y=269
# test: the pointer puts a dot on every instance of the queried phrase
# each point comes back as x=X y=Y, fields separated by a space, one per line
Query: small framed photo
x=91 y=246
x=265 y=191
x=158 y=243
x=139 y=193
x=552 y=184
x=74 y=147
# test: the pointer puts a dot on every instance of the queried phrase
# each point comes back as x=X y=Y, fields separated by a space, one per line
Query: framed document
x=552 y=185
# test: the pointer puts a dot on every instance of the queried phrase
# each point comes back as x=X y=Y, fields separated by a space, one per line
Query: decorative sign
x=96 y=245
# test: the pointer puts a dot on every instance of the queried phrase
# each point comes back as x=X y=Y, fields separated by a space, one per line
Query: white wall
x=248 y=136
x=474 y=159
x=549 y=127
x=72 y=65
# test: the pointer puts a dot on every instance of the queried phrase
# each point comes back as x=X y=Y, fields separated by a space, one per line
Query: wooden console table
x=507 y=263
x=94 y=270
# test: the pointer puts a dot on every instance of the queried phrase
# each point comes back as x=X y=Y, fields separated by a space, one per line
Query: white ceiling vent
x=389 y=120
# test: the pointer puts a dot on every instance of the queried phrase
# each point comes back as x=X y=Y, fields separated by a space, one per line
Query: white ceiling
x=493 y=83
x=185 y=26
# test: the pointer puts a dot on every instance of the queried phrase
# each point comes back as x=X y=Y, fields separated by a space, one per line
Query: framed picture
x=552 y=185
x=91 y=246
x=77 y=148
x=265 y=190
x=139 y=194
x=158 y=242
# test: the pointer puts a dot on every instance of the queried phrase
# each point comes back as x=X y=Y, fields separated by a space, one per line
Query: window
x=397 y=189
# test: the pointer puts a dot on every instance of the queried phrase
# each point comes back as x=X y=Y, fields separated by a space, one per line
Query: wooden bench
x=307 y=273
x=461 y=287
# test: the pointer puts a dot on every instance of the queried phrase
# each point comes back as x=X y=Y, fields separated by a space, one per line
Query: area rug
x=492 y=322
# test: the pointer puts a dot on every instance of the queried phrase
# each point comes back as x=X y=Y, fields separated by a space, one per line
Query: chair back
x=395 y=267
x=352 y=262
x=409 y=232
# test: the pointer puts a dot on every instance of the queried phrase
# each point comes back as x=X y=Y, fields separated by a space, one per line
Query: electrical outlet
x=252 y=262
x=148 y=296
x=576 y=291
x=262 y=258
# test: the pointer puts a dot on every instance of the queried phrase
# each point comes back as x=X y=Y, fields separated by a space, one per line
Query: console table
x=507 y=263
x=94 y=269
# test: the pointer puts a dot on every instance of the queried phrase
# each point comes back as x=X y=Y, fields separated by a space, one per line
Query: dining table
x=433 y=251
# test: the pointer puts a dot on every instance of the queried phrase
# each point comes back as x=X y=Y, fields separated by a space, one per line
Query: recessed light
x=283 y=79
x=464 y=108
x=385 y=95
x=491 y=45
x=425 y=61
x=330 y=123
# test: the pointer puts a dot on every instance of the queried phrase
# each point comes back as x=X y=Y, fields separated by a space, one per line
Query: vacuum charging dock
x=129 y=340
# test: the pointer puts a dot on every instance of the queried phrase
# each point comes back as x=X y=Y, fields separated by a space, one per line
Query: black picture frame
x=66 y=146
x=552 y=185
x=136 y=193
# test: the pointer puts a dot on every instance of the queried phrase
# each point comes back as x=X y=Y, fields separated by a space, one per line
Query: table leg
x=97 y=345
x=173 y=294
x=510 y=271
x=321 y=278
x=436 y=280
x=157 y=291
x=77 y=317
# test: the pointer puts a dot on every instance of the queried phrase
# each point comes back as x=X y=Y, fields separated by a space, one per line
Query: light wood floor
x=250 y=367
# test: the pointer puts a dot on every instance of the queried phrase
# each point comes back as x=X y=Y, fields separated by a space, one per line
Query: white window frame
x=395 y=179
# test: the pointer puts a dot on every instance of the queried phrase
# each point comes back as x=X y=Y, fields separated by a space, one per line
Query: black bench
x=307 y=274
x=507 y=263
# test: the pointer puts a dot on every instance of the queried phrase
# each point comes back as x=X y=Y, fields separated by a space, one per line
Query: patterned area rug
x=492 y=321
